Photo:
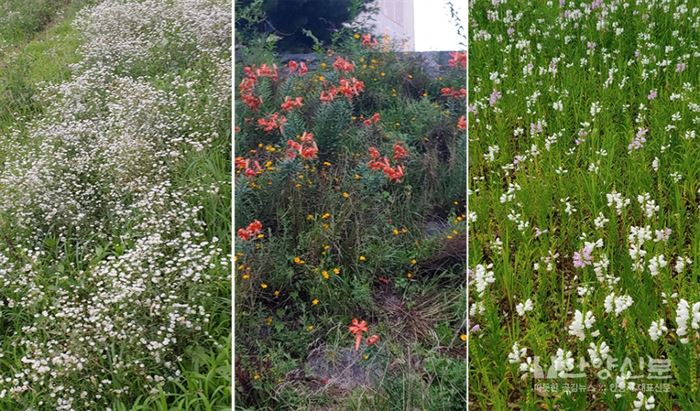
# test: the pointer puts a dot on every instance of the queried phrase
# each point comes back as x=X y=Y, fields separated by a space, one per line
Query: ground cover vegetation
x=584 y=234
x=115 y=205
x=350 y=226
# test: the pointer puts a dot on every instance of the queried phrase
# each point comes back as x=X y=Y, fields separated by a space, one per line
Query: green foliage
x=343 y=241
x=300 y=24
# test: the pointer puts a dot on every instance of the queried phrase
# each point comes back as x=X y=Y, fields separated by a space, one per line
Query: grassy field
x=115 y=213
x=585 y=236
x=351 y=229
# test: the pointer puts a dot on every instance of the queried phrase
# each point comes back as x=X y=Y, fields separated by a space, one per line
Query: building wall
x=395 y=18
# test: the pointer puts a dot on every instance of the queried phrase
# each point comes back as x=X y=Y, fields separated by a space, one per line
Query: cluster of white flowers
x=636 y=239
x=563 y=362
x=482 y=276
x=616 y=199
x=657 y=329
x=617 y=304
x=656 y=263
x=644 y=402
x=92 y=179
x=581 y=323
x=687 y=316
x=523 y=308
x=598 y=353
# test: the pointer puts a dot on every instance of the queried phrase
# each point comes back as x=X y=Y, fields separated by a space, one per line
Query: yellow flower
x=326 y=216
x=256 y=376
x=382 y=74
x=309 y=328
x=277 y=293
x=268 y=320
x=363 y=258
x=365 y=357
x=325 y=274
x=309 y=216
x=327 y=163
x=321 y=78
x=246 y=276
x=356 y=36
x=413 y=261
x=346 y=194
x=463 y=337
x=323 y=65
x=396 y=232
x=336 y=270
x=298 y=260
x=409 y=275
x=263 y=285
x=314 y=301
x=357 y=177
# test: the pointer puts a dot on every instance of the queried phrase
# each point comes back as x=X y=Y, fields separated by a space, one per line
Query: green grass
x=581 y=174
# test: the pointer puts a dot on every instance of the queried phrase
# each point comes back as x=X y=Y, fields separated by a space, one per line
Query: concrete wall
x=395 y=19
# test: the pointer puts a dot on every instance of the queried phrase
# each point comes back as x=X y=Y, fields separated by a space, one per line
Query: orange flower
x=394 y=173
x=372 y=340
x=462 y=123
x=290 y=104
x=357 y=328
x=328 y=96
x=458 y=59
x=341 y=64
x=307 y=148
x=367 y=40
x=309 y=152
x=448 y=92
x=245 y=165
x=373 y=152
x=292 y=66
x=251 y=231
x=272 y=122
x=372 y=120
x=302 y=68
x=400 y=152
x=266 y=71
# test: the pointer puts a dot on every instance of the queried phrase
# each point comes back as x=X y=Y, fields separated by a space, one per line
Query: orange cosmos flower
x=372 y=340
